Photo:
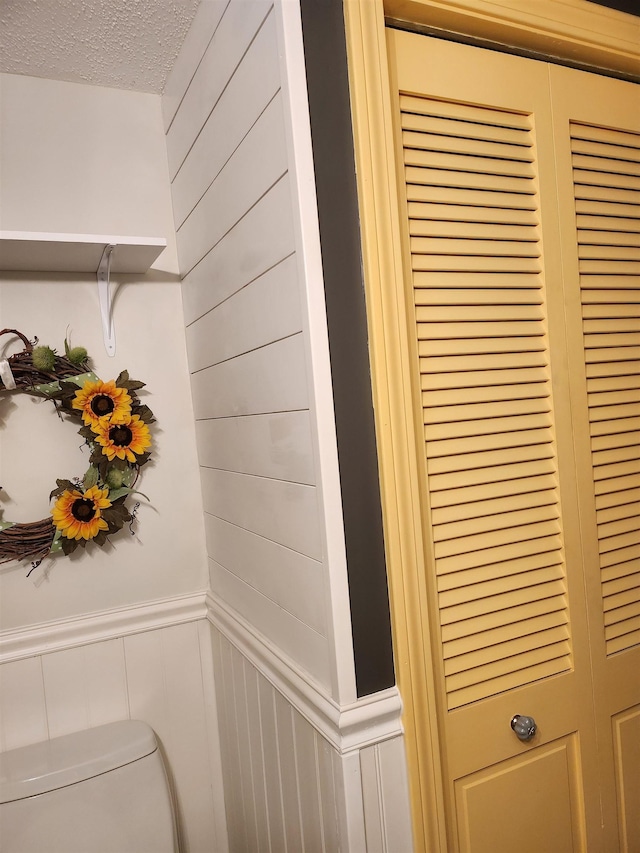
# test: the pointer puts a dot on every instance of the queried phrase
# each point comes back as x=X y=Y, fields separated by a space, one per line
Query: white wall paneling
x=190 y=56
x=288 y=788
x=224 y=52
x=241 y=104
x=85 y=687
x=256 y=165
x=264 y=310
x=284 y=512
x=163 y=676
x=271 y=379
x=271 y=569
x=276 y=445
x=23 y=717
x=259 y=241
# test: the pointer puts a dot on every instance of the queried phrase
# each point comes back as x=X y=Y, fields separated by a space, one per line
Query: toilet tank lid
x=56 y=763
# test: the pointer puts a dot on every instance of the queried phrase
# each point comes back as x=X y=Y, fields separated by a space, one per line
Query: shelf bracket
x=104 y=298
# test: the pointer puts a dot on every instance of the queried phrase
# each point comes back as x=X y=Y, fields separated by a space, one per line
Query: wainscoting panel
x=85 y=687
x=288 y=789
x=162 y=676
x=23 y=709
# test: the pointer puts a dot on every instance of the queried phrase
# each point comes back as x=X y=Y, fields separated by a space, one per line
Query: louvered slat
x=607 y=189
x=490 y=454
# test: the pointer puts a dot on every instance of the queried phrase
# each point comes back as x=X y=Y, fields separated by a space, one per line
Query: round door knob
x=524 y=727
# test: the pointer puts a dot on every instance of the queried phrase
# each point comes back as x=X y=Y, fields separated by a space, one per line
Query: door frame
x=574 y=32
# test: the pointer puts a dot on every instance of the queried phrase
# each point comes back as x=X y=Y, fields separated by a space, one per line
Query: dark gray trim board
x=328 y=89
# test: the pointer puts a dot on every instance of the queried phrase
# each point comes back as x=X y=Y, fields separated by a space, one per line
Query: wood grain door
x=500 y=384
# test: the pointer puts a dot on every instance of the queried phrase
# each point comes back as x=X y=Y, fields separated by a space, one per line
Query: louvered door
x=598 y=154
x=501 y=497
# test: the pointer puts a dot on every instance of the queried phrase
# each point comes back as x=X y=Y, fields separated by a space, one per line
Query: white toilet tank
x=103 y=790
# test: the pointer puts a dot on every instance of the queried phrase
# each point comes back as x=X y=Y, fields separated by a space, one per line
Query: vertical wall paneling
x=85 y=687
x=213 y=743
x=272 y=769
x=164 y=678
x=233 y=793
x=287 y=788
x=288 y=773
x=311 y=799
x=328 y=794
x=23 y=711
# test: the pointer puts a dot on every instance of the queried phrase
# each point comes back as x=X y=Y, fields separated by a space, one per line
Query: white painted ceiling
x=127 y=44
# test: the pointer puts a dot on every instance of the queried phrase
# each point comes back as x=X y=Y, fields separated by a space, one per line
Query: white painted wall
x=120 y=632
x=87 y=159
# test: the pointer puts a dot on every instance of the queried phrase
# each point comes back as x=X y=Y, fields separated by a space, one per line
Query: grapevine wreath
x=114 y=425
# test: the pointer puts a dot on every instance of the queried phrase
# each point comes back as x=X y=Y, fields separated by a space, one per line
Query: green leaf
x=91 y=477
x=123 y=491
x=68 y=545
x=145 y=414
x=97 y=458
x=63 y=486
x=123 y=377
x=131 y=385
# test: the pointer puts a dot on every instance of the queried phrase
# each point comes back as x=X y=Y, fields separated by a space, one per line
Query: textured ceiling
x=127 y=44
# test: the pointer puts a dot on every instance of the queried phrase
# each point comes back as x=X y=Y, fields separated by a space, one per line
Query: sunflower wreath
x=114 y=426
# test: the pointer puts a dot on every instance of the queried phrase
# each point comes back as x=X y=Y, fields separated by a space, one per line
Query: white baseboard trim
x=348 y=728
x=105 y=625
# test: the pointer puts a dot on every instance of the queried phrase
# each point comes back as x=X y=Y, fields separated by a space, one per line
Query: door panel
x=500 y=809
x=626 y=737
x=526 y=344
x=597 y=143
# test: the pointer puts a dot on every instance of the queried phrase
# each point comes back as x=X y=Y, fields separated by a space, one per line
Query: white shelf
x=24 y=251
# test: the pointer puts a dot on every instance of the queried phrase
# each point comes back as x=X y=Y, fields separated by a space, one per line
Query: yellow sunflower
x=126 y=440
x=77 y=515
x=99 y=401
